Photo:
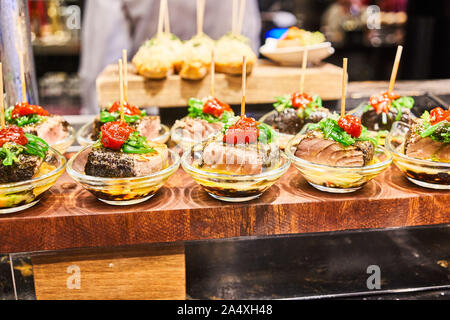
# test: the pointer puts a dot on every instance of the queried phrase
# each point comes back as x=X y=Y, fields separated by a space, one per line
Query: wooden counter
x=70 y=217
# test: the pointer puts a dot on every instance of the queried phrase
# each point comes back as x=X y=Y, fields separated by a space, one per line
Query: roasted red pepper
x=382 y=102
x=24 y=109
x=438 y=114
x=216 y=108
x=114 y=134
x=128 y=109
x=301 y=100
x=351 y=125
x=13 y=134
x=245 y=130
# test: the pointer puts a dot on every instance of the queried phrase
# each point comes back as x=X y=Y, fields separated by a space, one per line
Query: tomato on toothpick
x=24 y=109
x=301 y=100
x=216 y=108
x=114 y=134
x=382 y=102
x=351 y=125
x=245 y=130
x=438 y=114
x=128 y=109
x=13 y=134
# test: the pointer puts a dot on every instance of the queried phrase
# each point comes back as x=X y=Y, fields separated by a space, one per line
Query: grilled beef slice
x=24 y=169
x=197 y=129
x=315 y=148
x=425 y=148
x=148 y=126
x=52 y=129
x=374 y=121
x=103 y=162
x=285 y=121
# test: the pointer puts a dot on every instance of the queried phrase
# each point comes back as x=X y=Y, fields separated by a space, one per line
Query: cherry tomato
x=245 y=130
x=382 y=102
x=301 y=100
x=114 y=134
x=24 y=109
x=216 y=108
x=351 y=125
x=13 y=134
x=128 y=109
x=438 y=114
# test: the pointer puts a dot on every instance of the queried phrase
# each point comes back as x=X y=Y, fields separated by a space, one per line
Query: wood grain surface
x=108 y=274
x=70 y=217
x=266 y=81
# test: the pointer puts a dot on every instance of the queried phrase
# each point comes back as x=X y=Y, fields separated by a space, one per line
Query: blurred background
x=365 y=31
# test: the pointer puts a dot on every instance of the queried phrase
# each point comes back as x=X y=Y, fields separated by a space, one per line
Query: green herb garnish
x=106 y=116
x=24 y=120
x=35 y=146
x=195 y=111
x=285 y=102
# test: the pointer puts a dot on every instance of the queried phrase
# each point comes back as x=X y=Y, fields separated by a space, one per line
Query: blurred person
x=109 y=26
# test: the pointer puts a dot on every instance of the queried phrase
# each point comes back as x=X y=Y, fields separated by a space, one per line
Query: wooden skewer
x=122 y=113
x=125 y=74
x=398 y=55
x=234 y=15
x=166 y=17
x=161 y=17
x=304 y=62
x=2 y=98
x=19 y=47
x=244 y=80
x=213 y=73
x=200 y=15
x=241 y=17
x=344 y=86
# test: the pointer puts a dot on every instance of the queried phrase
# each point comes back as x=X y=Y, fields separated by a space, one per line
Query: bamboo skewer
x=2 y=98
x=200 y=15
x=304 y=62
x=398 y=55
x=241 y=17
x=125 y=74
x=244 y=84
x=166 y=17
x=234 y=16
x=344 y=86
x=122 y=114
x=161 y=17
x=213 y=73
x=19 y=47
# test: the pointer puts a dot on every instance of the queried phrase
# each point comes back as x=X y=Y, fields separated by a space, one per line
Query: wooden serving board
x=266 y=81
x=70 y=217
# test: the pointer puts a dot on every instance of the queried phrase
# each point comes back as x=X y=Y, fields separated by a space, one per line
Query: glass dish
x=18 y=196
x=232 y=188
x=425 y=173
x=64 y=144
x=338 y=179
x=283 y=138
x=84 y=135
x=120 y=191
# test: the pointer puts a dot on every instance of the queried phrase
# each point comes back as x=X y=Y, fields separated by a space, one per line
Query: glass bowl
x=424 y=173
x=338 y=179
x=232 y=188
x=64 y=144
x=84 y=135
x=283 y=138
x=120 y=191
x=18 y=196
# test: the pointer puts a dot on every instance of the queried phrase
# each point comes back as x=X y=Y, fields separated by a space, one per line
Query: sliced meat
x=239 y=159
x=148 y=126
x=374 y=121
x=196 y=129
x=315 y=148
x=425 y=148
x=285 y=121
x=108 y=163
x=23 y=170
x=52 y=129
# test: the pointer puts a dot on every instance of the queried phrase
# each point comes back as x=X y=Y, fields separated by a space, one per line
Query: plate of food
x=240 y=162
x=421 y=149
x=288 y=50
x=122 y=167
x=148 y=126
x=338 y=154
